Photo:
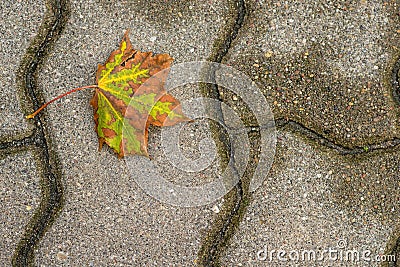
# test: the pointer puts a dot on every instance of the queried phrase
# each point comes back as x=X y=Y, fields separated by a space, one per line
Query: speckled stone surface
x=325 y=64
x=20 y=196
x=20 y=23
x=107 y=219
x=315 y=199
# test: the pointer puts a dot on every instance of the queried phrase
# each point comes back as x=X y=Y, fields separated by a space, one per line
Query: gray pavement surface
x=20 y=196
x=20 y=23
x=107 y=219
x=326 y=65
x=315 y=200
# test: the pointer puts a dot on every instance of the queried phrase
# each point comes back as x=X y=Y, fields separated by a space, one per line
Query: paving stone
x=107 y=219
x=325 y=64
x=315 y=199
x=20 y=196
x=20 y=22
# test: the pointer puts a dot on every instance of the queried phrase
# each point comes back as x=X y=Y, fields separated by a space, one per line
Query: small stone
x=153 y=38
x=28 y=208
x=215 y=209
x=61 y=256
x=234 y=98
x=268 y=54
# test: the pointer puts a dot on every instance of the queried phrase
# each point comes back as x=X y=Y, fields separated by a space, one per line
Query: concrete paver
x=20 y=196
x=107 y=219
x=20 y=23
x=315 y=199
x=325 y=64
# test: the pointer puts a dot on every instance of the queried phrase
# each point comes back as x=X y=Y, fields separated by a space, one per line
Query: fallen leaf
x=130 y=96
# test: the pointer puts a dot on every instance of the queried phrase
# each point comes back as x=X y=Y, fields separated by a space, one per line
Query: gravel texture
x=20 y=196
x=19 y=25
x=107 y=219
x=314 y=199
x=325 y=64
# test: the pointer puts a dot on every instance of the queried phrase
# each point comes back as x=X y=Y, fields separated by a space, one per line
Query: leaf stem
x=31 y=116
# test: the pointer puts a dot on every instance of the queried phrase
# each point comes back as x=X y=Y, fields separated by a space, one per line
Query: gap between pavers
x=20 y=196
x=107 y=219
x=20 y=22
x=314 y=199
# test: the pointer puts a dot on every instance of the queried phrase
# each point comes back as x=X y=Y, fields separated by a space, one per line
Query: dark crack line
x=211 y=249
x=51 y=186
x=395 y=251
x=396 y=96
x=296 y=127
x=52 y=195
x=343 y=150
x=396 y=81
x=19 y=143
x=293 y=126
x=209 y=254
x=224 y=48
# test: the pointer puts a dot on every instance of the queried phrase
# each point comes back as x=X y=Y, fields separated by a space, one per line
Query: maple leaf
x=130 y=96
